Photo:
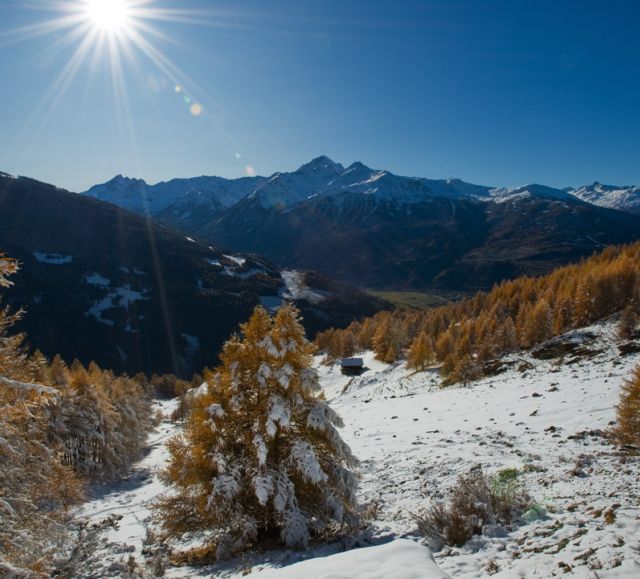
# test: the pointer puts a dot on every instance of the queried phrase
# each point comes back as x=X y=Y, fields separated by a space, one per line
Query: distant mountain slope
x=181 y=202
x=625 y=198
x=191 y=203
x=372 y=228
x=102 y=283
x=439 y=242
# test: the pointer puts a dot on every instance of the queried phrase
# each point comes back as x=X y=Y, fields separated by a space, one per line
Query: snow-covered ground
x=542 y=417
x=121 y=297
x=53 y=258
x=295 y=288
x=400 y=558
x=414 y=439
x=125 y=506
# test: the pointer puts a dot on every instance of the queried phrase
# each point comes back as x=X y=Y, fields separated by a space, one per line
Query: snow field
x=544 y=418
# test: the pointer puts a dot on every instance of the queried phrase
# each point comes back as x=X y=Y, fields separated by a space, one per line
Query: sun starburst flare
x=117 y=34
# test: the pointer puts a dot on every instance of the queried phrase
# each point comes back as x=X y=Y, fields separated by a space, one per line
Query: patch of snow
x=238 y=259
x=414 y=439
x=53 y=258
x=296 y=288
x=399 y=559
x=242 y=274
x=623 y=198
x=504 y=194
x=121 y=297
x=17 y=386
x=97 y=280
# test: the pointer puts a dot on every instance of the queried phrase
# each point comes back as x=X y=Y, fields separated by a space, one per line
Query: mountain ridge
x=330 y=171
x=141 y=295
x=375 y=229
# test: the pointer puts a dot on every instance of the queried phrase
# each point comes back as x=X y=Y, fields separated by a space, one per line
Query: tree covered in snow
x=33 y=482
x=58 y=427
x=261 y=458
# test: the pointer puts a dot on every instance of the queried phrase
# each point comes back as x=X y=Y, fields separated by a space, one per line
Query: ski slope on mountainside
x=543 y=417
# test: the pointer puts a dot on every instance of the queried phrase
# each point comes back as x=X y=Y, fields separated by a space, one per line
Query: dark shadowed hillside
x=101 y=283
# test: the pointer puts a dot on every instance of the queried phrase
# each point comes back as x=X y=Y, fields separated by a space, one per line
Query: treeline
x=60 y=427
x=522 y=313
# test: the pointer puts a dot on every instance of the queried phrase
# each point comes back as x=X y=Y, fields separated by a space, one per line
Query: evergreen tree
x=421 y=352
x=465 y=370
x=628 y=428
x=538 y=324
x=389 y=339
x=260 y=457
x=628 y=323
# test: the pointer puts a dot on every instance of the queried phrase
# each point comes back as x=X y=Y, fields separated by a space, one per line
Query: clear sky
x=497 y=92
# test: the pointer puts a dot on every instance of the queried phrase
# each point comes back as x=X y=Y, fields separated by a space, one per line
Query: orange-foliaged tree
x=58 y=427
x=260 y=459
x=519 y=313
x=627 y=430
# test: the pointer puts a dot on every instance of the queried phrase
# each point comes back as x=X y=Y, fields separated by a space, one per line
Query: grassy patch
x=417 y=300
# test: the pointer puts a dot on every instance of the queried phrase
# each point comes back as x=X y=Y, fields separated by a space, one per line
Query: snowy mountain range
x=326 y=178
x=373 y=228
x=625 y=198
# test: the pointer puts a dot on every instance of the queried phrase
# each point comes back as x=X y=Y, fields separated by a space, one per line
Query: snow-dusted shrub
x=475 y=502
x=261 y=460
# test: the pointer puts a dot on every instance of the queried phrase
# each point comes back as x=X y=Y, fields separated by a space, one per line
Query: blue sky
x=494 y=92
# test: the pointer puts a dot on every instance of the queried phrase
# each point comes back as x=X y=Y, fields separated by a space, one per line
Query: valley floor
x=545 y=418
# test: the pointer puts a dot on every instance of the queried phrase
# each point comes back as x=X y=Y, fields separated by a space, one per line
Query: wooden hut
x=352 y=366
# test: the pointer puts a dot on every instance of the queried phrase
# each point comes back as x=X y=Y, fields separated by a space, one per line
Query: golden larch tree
x=260 y=459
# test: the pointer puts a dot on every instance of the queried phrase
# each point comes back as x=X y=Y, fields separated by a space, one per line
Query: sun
x=108 y=15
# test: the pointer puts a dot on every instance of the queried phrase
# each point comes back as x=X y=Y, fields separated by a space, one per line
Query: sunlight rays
x=105 y=32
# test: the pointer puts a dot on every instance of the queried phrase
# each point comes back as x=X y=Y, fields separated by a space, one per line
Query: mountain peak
x=321 y=163
x=357 y=165
x=121 y=179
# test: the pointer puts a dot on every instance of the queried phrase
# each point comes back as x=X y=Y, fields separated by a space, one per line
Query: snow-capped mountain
x=626 y=198
x=373 y=228
x=284 y=190
x=503 y=194
x=376 y=229
x=178 y=200
x=322 y=177
x=142 y=296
